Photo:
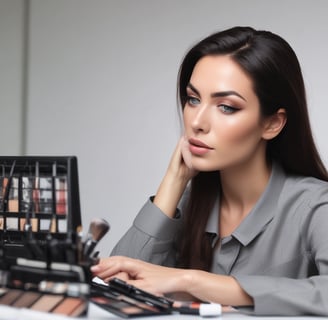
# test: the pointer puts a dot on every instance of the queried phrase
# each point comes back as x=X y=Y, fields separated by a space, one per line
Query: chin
x=205 y=168
x=204 y=165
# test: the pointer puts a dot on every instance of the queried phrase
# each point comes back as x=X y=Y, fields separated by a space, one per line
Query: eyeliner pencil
x=198 y=308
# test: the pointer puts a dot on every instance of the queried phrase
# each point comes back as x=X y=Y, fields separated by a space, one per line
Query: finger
x=121 y=275
x=186 y=155
x=103 y=269
x=112 y=266
x=144 y=285
x=176 y=157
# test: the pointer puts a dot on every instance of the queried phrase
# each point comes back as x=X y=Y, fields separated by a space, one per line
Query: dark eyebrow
x=218 y=94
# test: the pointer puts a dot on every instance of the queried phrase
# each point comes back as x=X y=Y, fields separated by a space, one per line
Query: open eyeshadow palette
x=39 y=201
x=41 y=251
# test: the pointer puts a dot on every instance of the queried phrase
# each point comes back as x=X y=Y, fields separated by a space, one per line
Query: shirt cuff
x=154 y=222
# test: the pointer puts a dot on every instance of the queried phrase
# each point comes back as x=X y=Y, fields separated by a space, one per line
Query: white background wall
x=11 y=76
x=101 y=84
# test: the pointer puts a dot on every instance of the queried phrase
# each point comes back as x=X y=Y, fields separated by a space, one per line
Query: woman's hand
x=150 y=277
x=180 y=165
x=178 y=173
x=159 y=280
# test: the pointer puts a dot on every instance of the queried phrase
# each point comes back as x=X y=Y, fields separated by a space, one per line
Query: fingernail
x=94 y=268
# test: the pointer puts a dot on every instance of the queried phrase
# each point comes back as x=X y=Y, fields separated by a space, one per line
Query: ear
x=274 y=124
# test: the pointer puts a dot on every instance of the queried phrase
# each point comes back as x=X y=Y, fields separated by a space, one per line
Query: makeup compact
x=44 y=259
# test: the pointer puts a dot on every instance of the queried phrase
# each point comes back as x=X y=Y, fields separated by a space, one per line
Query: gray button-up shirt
x=278 y=254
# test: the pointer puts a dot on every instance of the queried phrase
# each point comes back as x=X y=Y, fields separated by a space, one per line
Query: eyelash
x=224 y=107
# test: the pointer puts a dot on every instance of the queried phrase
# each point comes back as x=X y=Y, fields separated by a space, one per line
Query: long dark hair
x=278 y=83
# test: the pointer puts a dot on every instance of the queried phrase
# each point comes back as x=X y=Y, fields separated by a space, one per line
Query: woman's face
x=222 y=115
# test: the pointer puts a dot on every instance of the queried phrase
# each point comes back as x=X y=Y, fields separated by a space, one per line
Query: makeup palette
x=44 y=263
x=128 y=303
x=74 y=303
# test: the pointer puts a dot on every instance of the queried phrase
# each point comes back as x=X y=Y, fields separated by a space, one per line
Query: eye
x=227 y=109
x=192 y=100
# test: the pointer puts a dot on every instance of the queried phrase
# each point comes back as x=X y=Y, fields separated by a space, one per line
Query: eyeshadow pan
x=3 y=291
x=80 y=310
x=13 y=196
x=26 y=299
x=47 y=302
x=62 y=225
x=132 y=310
x=68 y=305
x=117 y=306
x=10 y=297
x=45 y=224
x=34 y=223
x=12 y=223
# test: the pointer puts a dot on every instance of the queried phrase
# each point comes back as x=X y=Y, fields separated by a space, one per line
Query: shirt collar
x=263 y=212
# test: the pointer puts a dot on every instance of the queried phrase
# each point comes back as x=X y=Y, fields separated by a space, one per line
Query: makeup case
x=41 y=248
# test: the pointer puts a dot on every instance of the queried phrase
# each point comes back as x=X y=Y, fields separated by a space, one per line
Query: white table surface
x=96 y=313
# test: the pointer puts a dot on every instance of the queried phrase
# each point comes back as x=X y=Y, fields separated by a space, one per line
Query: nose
x=201 y=119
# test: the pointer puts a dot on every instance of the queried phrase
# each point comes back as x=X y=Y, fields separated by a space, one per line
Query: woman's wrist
x=206 y=286
x=186 y=280
x=169 y=194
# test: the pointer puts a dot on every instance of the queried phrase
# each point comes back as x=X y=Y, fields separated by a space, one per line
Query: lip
x=198 y=147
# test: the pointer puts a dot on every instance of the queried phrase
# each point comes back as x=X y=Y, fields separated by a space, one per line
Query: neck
x=242 y=186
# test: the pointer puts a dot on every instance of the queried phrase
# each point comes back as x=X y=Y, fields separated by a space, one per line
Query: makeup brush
x=97 y=229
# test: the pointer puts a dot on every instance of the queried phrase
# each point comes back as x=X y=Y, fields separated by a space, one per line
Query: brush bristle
x=98 y=228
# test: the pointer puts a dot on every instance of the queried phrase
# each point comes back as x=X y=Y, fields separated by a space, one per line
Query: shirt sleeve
x=152 y=237
x=294 y=297
x=285 y=296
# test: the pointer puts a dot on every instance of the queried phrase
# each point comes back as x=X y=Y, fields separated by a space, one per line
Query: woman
x=250 y=229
